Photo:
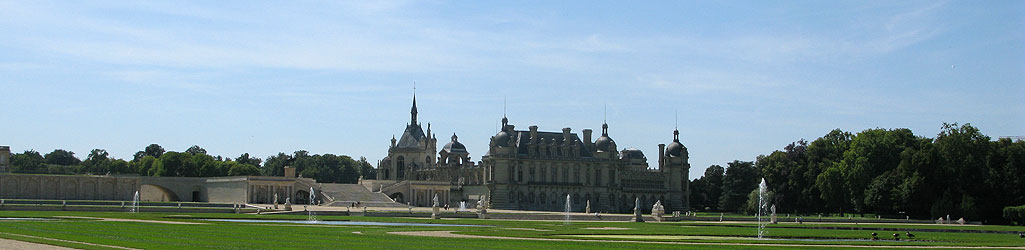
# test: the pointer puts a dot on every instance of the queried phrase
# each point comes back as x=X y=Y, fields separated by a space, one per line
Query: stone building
x=5 y=159
x=533 y=170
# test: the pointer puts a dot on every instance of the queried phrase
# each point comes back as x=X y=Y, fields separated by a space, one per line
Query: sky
x=737 y=78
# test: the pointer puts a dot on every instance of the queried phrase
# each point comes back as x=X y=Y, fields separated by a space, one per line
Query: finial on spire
x=676 y=117
x=454 y=137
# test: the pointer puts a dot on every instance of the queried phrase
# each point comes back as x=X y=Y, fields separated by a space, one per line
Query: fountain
x=587 y=209
x=462 y=206
x=568 y=208
x=135 y=203
x=762 y=207
x=313 y=195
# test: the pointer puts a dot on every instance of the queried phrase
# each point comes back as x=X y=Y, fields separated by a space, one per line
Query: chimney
x=565 y=135
x=587 y=136
x=661 y=155
x=533 y=133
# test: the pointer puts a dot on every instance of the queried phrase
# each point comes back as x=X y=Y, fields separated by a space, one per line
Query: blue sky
x=744 y=78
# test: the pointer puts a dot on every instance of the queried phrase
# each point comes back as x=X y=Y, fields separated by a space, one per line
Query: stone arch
x=10 y=188
x=302 y=197
x=150 y=192
x=199 y=194
x=70 y=190
x=398 y=197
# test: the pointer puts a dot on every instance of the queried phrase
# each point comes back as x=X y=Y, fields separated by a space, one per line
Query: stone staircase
x=345 y=194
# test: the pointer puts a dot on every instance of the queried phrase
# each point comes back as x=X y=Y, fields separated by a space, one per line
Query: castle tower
x=675 y=164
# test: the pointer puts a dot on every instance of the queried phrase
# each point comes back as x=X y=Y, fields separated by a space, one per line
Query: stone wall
x=190 y=189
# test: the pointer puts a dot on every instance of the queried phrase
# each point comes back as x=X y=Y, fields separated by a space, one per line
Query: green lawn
x=232 y=235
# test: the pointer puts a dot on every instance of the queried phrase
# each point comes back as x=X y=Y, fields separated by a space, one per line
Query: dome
x=502 y=139
x=454 y=146
x=605 y=143
x=676 y=149
x=631 y=153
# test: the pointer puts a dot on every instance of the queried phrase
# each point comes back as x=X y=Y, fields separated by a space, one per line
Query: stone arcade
x=532 y=170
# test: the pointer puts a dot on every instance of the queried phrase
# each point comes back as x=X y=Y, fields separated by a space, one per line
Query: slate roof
x=412 y=137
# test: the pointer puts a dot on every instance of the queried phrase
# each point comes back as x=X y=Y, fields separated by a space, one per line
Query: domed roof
x=502 y=139
x=631 y=153
x=604 y=143
x=454 y=146
x=676 y=149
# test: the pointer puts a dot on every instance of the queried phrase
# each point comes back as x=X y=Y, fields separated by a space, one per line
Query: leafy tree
x=177 y=165
x=28 y=161
x=146 y=165
x=152 y=150
x=705 y=191
x=741 y=177
x=824 y=153
x=98 y=161
x=366 y=169
x=62 y=157
x=785 y=173
x=275 y=165
x=245 y=159
x=195 y=150
x=871 y=153
x=240 y=169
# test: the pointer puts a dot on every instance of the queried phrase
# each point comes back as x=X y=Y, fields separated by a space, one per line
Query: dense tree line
x=323 y=168
x=154 y=160
x=890 y=172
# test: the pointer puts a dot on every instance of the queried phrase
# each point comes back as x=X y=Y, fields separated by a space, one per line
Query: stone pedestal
x=434 y=214
x=587 y=209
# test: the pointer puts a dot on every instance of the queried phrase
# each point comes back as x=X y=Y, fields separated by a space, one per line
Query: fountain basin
x=705 y=237
x=347 y=223
x=25 y=219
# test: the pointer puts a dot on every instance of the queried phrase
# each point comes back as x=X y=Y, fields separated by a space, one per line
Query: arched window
x=400 y=168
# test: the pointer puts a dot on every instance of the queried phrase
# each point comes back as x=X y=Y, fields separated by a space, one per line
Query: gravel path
x=132 y=220
x=15 y=244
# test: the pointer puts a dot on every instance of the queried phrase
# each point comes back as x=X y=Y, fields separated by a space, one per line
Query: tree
x=146 y=166
x=275 y=165
x=195 y=149
x=366 y=170
x=98 y=161
x=28 y=161
x=245 y=159
x=872 y=152
x=152 y=150
x=62 y=157
x=176 y=164
x=741 y=177
x=240 y=169
x=963 y=151
x=705 y=191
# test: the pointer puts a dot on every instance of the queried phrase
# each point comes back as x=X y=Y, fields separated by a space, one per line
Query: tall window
x=401 y=168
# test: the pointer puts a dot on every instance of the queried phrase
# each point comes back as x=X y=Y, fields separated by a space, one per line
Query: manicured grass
x=231 y=235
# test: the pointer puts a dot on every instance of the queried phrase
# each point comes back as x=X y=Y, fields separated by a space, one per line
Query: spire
x=604 y=121
x=676 y=135
x=413 y=110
